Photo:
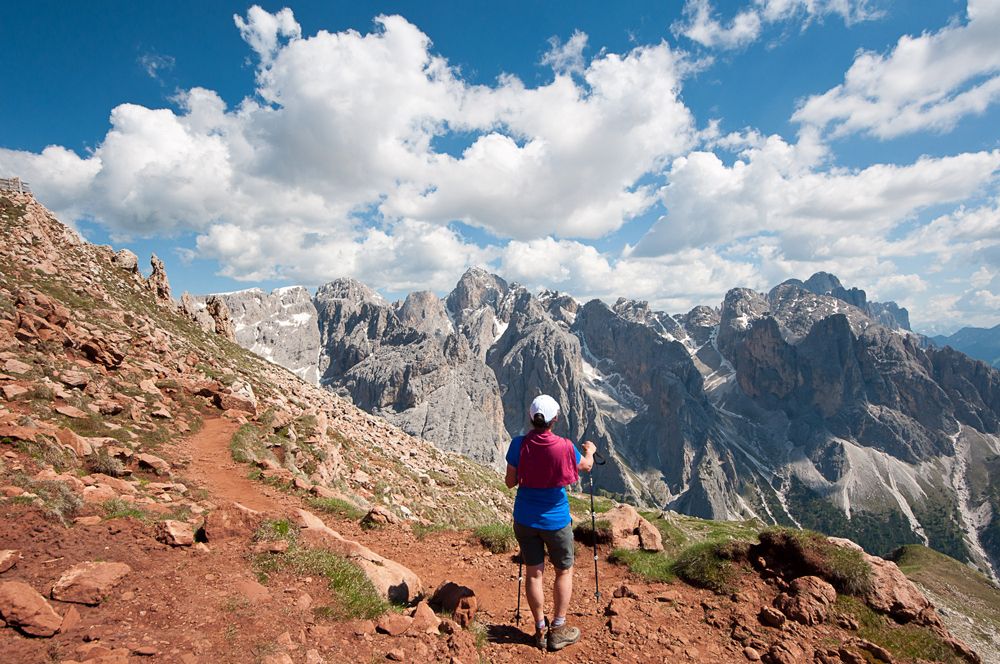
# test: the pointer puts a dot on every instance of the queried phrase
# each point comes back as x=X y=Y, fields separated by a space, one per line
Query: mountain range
x=807 y=405
x=979 y=342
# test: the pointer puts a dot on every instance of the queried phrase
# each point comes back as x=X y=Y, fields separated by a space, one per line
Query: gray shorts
x=534 y=541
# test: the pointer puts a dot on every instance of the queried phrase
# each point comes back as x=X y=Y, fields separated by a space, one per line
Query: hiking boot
x=562 y=636
x=541 y=636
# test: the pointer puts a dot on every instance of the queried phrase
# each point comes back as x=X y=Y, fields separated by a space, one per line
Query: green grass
x=497 y=537
x=422 y=531
x=712 y=565
x=338 y=507
x=907 y=642
x=355 y=596
x=116 y=508
x=277 y=529
x=651 y=566
x=246 y=445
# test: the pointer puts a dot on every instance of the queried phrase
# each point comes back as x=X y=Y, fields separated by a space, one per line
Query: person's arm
x=587 y=460
x=511 y=478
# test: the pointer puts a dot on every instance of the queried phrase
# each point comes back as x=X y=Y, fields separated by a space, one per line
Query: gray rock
x=281 y=326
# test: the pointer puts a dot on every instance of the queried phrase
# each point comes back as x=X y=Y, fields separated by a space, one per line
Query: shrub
x=712 y=565
x=116 y=508
x=497 y=537
x=58 y=499
x=246 y=445
x=102 y=462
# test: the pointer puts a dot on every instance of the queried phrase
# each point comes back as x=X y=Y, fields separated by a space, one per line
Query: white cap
x=545 y=405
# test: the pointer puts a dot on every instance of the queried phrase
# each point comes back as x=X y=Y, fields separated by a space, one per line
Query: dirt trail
x=213 y=467
x=456 y=556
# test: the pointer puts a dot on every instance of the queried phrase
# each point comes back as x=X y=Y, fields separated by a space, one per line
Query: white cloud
x=700 y=24
x=154 y=63
x=262 y=31
x=775 y=188
x=927 y=82
x=342 y=124
x=672 y=283
x=702 y=27
x=566 y=58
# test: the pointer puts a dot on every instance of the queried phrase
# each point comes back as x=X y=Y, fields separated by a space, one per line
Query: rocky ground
x=166 y=496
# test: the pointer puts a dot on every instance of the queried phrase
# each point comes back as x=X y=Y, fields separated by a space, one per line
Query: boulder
x=230 y=522
x=460 y=601
x=630 y=531
x=12 y=392
x=393 y=581
x=771 y=617
x=807 y=601
x=175 y=533
x=154 y=463
x=21 y=606
x=379 y=516
x=892 y=593
x=71 y=412
x=126 y=260
x=72 y=378
x=785 y=652
x=424 y=619
x=89 y=582
x=226 y=401
x=393 y=624
x=99 y=350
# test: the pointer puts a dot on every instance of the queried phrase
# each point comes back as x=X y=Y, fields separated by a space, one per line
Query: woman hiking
x=541 y=465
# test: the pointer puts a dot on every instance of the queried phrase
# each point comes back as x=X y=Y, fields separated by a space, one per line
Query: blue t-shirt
x=545 y=509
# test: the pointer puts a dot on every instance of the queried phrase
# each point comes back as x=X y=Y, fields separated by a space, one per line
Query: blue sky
x=663 y=151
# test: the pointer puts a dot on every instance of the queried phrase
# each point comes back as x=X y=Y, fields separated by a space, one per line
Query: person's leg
x=533 y=555
x=562 y=591
x=535 y=590
x=561 y=552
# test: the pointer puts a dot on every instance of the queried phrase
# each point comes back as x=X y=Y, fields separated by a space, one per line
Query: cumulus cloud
x=701 y=25
x=779 y=188
x=344 y=122
x=926 y=82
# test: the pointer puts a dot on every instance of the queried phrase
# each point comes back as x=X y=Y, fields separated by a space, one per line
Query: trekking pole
x=520 y=577
x=599 y=460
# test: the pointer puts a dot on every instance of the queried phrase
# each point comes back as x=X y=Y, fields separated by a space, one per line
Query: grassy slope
x=960 y=591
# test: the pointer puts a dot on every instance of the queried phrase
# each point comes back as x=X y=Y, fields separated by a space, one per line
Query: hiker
x=541 y=465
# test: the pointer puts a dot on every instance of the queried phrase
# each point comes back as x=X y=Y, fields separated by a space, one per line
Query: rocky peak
x=424 y=311
x=639 y=311
x=561 y=306
x=348 y=288
x=475 y=289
